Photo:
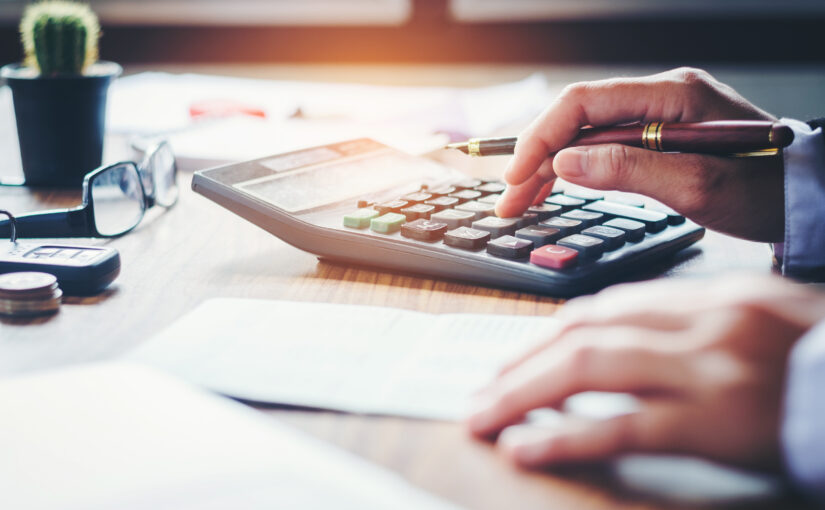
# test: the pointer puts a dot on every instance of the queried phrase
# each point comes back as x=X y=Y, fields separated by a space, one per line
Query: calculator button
x=442 y=191
x=588 y=218
x=625 y=199
x=509 y=247
x=490 y=199
x=583 y=193
x=566 y=226
x=442 y=203
x=454 y=218
x=554 y=256
x=588 y=246
x=466 y=238
x=478 y=209
x=528 y=219
x=468 y=183
x=387 y=223
x=490 y=187
x=545 y=210
x=613 y=237
x=393 y=206
x=634 y=230
x=539 y=235
x=465 y=195
x=360 y=218
x=654 y=220
x=566 y=203
x=673 y=218
x=418 y=211
x=424 y=230
x=497 y=226
x=417 y=197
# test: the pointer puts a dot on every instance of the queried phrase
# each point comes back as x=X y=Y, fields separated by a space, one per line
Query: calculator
x=364 y=203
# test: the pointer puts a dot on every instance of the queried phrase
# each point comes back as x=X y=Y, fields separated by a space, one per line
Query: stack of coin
x=29 y=293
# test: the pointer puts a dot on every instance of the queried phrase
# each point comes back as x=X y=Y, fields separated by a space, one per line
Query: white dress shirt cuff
x=803 y=252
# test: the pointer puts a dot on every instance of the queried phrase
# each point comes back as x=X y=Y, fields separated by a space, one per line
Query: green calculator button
x=387 y=223
x=360 y=218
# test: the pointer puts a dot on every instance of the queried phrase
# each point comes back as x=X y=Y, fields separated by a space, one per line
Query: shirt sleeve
x=803 y=423
x=803 y=251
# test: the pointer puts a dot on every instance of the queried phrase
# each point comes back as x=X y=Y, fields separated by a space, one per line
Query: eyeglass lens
x=117 y=199
x=161 y=166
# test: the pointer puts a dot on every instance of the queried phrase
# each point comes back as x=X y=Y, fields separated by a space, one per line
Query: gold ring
x=644 y=136
x=473 y=148
x=659 y=136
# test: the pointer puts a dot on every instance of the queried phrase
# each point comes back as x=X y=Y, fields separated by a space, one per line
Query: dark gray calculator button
x=653 y=220
x=466 y=238
x=564 y=201
x=528 y=219
x=545 y=210
x=468 y=183
x=613 y=237
x=454 y=218
x=393 y=206
x=539 y=235
x=588 y=246
x=417 y=197
x=588 y=218
x=424 y=230
x=479 y=209
x=465 y=195
x=418 y=211
x=634 y=230
x=490 y=187
x=565 y=225
x=490 y=199
x=509 y=247
x=497 y=226
x=442 y=203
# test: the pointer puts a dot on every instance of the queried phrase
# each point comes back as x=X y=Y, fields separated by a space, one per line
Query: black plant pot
x=60 y=122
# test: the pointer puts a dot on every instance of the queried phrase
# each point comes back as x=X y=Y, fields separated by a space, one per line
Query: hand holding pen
x=740 y=196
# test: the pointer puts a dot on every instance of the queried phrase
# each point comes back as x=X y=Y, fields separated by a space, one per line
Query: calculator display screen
x=335 y=181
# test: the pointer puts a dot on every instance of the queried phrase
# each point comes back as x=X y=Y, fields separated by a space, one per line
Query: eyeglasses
x=115 y=199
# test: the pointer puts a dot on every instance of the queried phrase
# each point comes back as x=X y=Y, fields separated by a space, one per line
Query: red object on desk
x=223 y=108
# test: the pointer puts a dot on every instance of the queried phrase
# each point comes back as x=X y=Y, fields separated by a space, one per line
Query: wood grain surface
x=176 y=259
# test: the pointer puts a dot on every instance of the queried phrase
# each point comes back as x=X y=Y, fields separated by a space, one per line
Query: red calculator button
x=554 y=256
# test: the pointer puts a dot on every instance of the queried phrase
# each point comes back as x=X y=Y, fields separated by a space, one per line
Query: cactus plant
x=59 y=37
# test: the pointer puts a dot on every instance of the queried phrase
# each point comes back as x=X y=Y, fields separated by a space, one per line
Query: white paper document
x=359 y=359
x=122 y=436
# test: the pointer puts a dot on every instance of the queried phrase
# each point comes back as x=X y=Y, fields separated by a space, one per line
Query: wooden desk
x=176 y=259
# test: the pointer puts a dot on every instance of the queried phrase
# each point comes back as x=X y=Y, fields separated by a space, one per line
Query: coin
x=24 y=282
x=29 y=293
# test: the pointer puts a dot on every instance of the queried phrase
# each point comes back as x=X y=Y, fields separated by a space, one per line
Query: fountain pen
x=738 y=138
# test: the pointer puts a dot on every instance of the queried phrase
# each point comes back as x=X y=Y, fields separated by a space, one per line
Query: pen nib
x=462 y=146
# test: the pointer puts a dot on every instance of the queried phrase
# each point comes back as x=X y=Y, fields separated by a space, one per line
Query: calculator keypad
x=566 y=231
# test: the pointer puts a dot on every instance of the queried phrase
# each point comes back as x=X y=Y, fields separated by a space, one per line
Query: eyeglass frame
x=80 y=221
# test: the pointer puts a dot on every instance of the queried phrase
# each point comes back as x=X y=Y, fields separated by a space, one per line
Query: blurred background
x=451 y=31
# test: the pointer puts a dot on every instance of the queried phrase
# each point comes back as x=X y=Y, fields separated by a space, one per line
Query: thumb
x=675 y=179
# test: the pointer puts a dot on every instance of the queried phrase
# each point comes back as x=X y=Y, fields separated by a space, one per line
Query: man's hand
x=743 y=197
x=706 y=360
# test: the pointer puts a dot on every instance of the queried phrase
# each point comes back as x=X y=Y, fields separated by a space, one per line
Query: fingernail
x=522 y=444
x=572 y=162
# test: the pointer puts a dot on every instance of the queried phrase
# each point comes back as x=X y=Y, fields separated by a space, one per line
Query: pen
x=739 y=138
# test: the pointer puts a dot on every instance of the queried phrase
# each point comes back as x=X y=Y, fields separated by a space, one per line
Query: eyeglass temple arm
x=58 y=223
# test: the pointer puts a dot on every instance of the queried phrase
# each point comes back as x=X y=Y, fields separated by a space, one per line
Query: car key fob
x=80 y=270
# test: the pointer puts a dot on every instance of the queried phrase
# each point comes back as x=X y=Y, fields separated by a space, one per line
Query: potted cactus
x=59 y=93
